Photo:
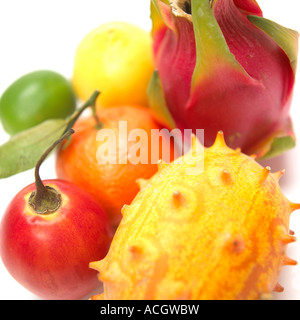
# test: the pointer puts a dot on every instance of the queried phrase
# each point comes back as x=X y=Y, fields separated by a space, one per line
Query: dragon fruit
x=220 y=65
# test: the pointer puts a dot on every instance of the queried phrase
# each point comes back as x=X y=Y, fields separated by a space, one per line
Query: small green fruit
x=34 y=98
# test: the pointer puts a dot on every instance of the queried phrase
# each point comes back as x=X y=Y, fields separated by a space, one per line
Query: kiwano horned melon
x=216 y=235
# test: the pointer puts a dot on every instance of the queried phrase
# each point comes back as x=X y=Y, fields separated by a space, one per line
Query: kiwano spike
x=278 y=175
x=124 y=209
x=196 y=146
x=161 y=164
x=235 y=245
x=294 y=206
x=142 y=183
x=176 y=194
x=286 y=239
x=96 y=265
x=135 y=251
x=289 y=262
x=177 y=198
x=98 y=296
x=226 y=176
x=220 y=140
x=265 y=173
x=278 y=288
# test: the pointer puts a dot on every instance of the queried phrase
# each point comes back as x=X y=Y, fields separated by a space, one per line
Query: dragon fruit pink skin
x=221 y=66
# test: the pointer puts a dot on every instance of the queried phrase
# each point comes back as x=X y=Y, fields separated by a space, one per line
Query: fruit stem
x=45 y=199
x=91 y=102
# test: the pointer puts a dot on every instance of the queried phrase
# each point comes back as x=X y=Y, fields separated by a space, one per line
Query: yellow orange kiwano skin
x=221 y=234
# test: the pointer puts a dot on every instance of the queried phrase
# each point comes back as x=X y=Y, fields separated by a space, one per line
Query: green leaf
x=23 y=150
x=287 y=39
x=280 y=145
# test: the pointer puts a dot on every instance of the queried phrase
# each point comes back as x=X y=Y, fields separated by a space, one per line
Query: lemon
x=116 y=59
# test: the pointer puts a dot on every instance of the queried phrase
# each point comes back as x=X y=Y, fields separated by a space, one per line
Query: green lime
x=34 y=98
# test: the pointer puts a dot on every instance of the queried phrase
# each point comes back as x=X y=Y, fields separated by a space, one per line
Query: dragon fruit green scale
x=220 y=65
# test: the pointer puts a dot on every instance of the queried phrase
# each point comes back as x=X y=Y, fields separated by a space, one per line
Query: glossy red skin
x=50 y=255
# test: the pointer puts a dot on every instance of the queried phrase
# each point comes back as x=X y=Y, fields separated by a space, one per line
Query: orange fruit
x=113 y=184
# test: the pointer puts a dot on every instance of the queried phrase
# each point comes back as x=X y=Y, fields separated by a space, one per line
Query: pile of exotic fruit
x=158 y=140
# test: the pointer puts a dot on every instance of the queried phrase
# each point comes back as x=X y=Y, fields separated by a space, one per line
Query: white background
x=44 y=35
